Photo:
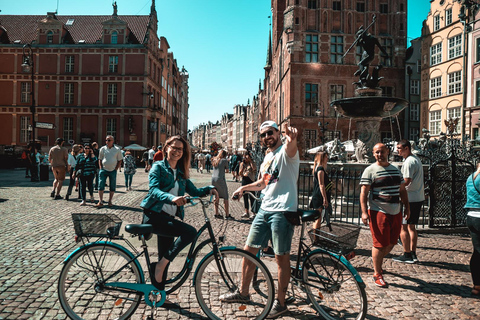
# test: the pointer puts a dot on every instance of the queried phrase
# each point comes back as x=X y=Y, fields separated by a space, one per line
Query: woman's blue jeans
x=128 y=180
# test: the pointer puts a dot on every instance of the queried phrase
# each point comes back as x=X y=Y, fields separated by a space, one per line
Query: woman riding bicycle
x=168 y=183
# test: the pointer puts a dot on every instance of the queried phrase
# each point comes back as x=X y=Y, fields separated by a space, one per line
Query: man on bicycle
x=281 y=163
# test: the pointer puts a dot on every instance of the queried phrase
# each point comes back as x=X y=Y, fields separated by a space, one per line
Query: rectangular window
x=454 y=113
x=477 y=42
x=436 y=87
x=310 y=138
x=336 y=92
x=414 y=112
x=69 y=64
x=455 y=47
x=311 y=99
x=24 y=132
x=436 y=54
x=414 y=87
x=330 y=135
x=336 y=49
x=387 y=91
x=388 y=46
x=455 y=82
x=337 y=5
x=311 y=48
x=112 y=94
x=414 y=134
x=111 y=127
x=435 y=124
x=68 y=94
x=361 y=6
x=113 y=64
x=68 y=129
x=419 y=66
x=448 y=16
x=477 y=98
x=383 y=8
x=436 y=22
x=312 y=4
x=26 y=88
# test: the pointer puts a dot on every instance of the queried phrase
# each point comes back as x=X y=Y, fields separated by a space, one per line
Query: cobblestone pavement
x=36 y=234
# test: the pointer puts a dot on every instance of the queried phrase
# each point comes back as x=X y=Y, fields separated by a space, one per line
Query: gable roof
x=88 y=28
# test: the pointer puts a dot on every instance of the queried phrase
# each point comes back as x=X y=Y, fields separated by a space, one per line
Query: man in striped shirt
x=382 y=189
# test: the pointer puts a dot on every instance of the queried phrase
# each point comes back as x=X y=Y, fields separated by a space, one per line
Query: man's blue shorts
x=112 y=177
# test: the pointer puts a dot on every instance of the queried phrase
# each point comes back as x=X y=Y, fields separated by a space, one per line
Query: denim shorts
x=112 y=177
x=274 y=226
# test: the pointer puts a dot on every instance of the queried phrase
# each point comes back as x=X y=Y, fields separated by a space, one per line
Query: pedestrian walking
x=412 y=171
x=248 y=172
x=473 y=224
x=382 y=188
x=278 y=182
x=110 y=158
x=129 y=169
x=201 y=162
x=322 y=188
x=72 y=161
x=208 y=162
x=85 y=169
x=220 y=182
x=58 y=157
x=159 y=154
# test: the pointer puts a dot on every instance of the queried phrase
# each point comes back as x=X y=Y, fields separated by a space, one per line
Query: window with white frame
x=436 y=54
x=113 y=64
x=69 y=64
x=24 y=132
x=68 y=128
x=435 y=123
x=436 y=87
x=448 y=16
x=68 y=94
x=436 y=22
x=111 y=127
x=455 y=113
x=26 y=88
x=455 y=46
x=311 y=48
x=112 y=93
x=310 y=138
x=414 y=87
x=414 y=112
x=455 y=82
x=414 y=134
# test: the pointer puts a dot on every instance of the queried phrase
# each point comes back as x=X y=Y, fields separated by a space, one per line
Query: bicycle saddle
x=309 y=215
x=139 y=229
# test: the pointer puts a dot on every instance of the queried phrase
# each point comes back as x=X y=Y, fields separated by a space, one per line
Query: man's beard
x=271 y=142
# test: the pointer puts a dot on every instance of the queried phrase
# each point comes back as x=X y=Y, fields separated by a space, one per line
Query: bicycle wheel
x=332 y=288
x=81 y=289
x=210 y=285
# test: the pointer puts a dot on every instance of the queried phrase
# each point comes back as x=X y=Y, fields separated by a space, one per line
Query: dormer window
x=49 y=37
x=114 y=37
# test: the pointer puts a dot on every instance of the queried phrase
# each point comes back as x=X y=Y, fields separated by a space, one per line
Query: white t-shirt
x=110 y=157
x=280 y=173
x=171 y=209
x=412 y=168
x=151 y=154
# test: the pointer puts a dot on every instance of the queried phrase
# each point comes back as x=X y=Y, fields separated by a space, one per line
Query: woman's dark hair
x=184 y=162
x=221 y=155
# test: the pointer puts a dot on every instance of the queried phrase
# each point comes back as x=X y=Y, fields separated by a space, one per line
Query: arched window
x=114 y=37
x=49 y=37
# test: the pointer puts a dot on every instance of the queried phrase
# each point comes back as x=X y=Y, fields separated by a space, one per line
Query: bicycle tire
x=80 y=286
x=209 y=286
x=332 y=288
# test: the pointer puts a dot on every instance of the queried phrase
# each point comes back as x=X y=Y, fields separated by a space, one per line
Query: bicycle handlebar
x=235 y=196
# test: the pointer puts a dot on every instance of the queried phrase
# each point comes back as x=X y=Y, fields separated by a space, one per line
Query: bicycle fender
x=206 y=257
x=344 y=261
x=112 y=244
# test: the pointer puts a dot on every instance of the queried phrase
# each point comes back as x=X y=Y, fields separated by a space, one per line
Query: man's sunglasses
x=265 y=134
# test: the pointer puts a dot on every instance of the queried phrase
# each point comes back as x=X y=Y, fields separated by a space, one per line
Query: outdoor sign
x=44 y=125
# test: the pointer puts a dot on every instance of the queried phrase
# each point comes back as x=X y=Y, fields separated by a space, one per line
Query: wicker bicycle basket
x=342 y=238
x=96 y=225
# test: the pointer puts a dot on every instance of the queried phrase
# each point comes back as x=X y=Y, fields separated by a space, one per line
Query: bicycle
x=331 y=284
x=105 y=280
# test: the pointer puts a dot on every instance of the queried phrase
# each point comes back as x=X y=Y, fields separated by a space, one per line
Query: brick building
x=93 y=76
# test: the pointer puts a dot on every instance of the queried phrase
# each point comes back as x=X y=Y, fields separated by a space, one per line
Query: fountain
x=368 y=107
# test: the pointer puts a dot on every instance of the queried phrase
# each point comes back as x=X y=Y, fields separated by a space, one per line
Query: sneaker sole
x=404 y=261
x=273 y=316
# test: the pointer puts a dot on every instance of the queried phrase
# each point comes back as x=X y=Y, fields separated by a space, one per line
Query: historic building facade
x=93 y=76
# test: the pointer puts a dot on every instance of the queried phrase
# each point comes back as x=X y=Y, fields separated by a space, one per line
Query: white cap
x=269 y=123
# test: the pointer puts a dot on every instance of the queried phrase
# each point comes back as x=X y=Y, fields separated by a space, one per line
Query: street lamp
x=28 y=65
x=322 y=124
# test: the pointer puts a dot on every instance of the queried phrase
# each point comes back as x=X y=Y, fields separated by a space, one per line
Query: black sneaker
x=277 y=310
x=67 y=196
x=406 y=258
x=52 y=194
x=414 y=257
x=58 y=197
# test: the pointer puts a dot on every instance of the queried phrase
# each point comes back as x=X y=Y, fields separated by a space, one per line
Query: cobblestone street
x=36 y=235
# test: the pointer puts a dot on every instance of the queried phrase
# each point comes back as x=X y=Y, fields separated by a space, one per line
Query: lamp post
x=28 y=65
x=322 y=124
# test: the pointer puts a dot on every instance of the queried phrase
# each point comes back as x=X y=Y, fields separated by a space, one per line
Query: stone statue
x=337 y=151
x=361 y=153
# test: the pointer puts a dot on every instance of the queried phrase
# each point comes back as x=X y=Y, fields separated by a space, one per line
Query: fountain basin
x=369 y=107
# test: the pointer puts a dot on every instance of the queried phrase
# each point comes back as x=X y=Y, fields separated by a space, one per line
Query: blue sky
x=221 y=43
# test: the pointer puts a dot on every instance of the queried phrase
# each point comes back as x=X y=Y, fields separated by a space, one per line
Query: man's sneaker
x=378 y=279
x=277 y=310
x=406 y=258
x=58 y=197
x=234 y=297
x=52 y=194
x=414 y=257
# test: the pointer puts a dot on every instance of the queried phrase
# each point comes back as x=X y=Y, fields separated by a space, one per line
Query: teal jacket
x=161 y=181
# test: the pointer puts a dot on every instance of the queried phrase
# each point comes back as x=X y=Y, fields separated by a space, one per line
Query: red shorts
x=385 y=228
